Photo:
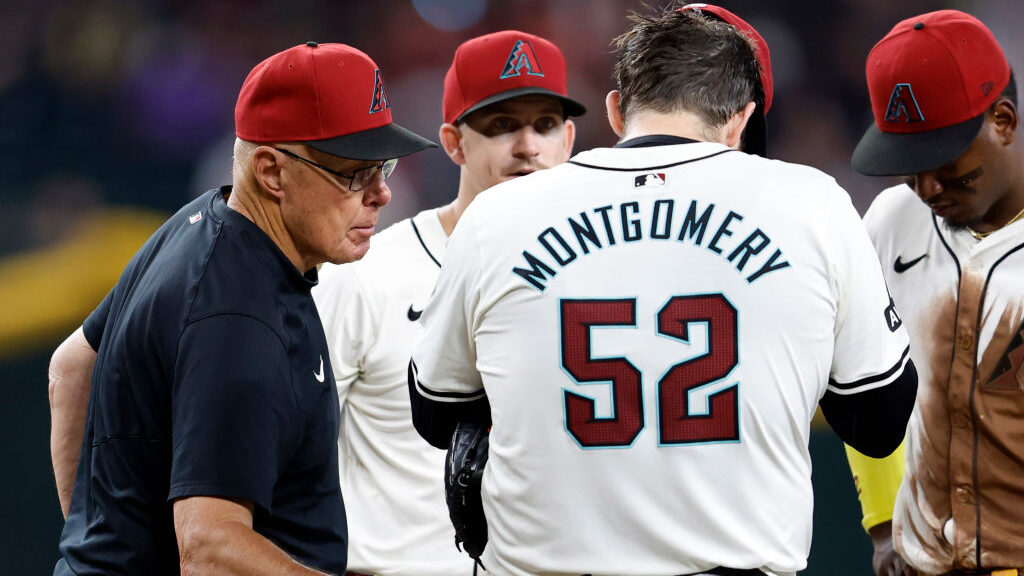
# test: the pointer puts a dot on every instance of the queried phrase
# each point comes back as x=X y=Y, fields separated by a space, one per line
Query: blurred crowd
x=130 y=102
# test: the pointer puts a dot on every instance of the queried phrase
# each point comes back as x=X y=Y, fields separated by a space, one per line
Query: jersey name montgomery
x=750 y=251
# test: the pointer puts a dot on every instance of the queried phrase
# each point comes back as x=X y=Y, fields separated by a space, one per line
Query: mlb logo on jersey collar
x=650 y=179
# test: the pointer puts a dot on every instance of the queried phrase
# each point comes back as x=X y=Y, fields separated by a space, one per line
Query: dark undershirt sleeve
x=95 y=322
x=873 y=422
x=436 y=421
x=234 y=414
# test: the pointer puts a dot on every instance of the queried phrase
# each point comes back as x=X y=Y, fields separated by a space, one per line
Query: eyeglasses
x=357 y=180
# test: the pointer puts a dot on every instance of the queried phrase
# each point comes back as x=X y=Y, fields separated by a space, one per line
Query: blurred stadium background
x=113 y=113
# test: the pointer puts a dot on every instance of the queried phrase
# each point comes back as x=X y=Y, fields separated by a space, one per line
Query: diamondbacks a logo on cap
x=522 y=59
x=380 y=97
x=903 y=106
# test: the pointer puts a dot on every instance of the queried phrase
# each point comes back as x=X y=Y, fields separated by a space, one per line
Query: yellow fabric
x=877 y=480
x=819 y=422
x=48 y=291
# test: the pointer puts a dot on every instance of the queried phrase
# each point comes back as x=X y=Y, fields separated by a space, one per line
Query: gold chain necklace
x=979 y=235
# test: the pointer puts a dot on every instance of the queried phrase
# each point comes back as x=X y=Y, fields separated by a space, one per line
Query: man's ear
x=735 y=126
x=266 y=170
x=611 y=104
x=451 y=140
x=570 y=137
x=1004 y=117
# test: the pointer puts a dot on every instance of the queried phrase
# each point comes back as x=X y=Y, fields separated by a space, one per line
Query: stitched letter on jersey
x=562 y=243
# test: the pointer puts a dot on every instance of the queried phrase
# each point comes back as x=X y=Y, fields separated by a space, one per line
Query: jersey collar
x=262 y=245
x=649 y=152
x=654 y=140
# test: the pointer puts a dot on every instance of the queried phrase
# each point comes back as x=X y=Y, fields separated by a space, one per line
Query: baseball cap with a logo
x=755 y=137
x=329 y=96
x=504 y=65
x=931 y=80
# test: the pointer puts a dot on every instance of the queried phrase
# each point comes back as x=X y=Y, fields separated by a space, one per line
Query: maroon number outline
x=676 y=424
x=627 y=394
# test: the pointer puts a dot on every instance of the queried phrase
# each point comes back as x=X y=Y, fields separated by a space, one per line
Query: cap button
x=311 y=44
x=919 y=26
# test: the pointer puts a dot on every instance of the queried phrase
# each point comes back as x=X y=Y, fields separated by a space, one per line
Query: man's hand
x=886 y=561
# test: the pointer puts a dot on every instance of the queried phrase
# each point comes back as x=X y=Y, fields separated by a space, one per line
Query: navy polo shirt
x=212 y=378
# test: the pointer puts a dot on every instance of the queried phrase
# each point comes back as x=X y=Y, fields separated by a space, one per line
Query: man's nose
x=377 y=194
x=927 y=186
x=527 y=144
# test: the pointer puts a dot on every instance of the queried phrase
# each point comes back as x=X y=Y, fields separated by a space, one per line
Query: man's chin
x=350 y=254
x=955 y=227
x=953 y=219
x=956 y=224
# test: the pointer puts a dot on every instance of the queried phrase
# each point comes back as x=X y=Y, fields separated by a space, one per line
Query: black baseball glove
x=463 y=471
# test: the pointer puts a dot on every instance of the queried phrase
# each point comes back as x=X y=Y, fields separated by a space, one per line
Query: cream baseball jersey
x=963 y=303
x=391 y=480
x=653 y=328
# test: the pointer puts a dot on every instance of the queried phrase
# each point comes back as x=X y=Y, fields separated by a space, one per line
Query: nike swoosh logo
x=413 y=315
x=320 y=375
x=900 y=266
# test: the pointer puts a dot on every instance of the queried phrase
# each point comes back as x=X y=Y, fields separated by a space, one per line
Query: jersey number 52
x=675 y=423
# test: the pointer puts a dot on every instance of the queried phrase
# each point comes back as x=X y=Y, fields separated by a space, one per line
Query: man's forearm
x=237 y=549
x=877 y=480
x=70 y=380
x=215 y=537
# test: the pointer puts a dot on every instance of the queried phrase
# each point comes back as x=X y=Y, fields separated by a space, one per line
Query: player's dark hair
x=673 y=61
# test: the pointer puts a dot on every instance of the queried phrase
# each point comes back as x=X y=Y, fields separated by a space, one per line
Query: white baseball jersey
x=962 y=299
x=653 y=328
x=392 y=481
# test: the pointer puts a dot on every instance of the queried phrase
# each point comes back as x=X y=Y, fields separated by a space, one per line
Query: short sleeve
x=871 y=344
x=96 y=321
x=234 y=416
x=345 y=313
x=445 y=354
x=871 y=218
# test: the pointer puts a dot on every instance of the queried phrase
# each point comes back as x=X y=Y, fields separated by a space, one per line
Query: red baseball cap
x=755 y=137
x=329 y=96
x=503 y=65
x=931 y=80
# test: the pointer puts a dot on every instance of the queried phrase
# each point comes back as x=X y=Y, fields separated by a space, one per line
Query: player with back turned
x=951 y=243
x=648 y=330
